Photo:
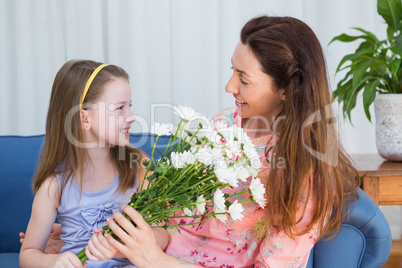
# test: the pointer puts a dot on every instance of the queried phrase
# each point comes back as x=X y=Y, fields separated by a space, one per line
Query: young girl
x=283 y=101
x=84 y=174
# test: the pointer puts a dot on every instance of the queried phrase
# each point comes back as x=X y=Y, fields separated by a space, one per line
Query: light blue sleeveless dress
x=79 y=216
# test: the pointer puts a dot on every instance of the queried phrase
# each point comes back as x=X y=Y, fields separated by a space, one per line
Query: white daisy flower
x=227 y=175
x=177 y=160
x=242 y=173
x=201 y=205
x=236 y=210
x=219 y=216
x=258 y=192
x=219 y=199
x=252 y=171
x=162 y=129
x=185 y=113
x=202 y=155
x=188 y=157
x=188 y=212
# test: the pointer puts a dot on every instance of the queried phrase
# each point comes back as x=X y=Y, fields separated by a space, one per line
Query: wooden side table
x=382 y=181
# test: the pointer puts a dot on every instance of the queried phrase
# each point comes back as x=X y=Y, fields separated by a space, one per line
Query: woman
x=283 y=101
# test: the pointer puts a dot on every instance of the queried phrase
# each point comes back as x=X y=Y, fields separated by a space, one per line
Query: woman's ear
x=84 y=116
x=282 y=93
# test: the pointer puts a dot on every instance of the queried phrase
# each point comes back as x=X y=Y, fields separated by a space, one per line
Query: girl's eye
x=242 y=81
x=120 y=108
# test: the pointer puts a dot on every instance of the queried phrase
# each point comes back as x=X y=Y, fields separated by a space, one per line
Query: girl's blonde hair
x=61 y=151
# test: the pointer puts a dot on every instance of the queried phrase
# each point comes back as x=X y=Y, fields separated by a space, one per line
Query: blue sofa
x=364 y=240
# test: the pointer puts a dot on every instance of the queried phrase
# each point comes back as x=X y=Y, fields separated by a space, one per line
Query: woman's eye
x=242 y=81
x=120 y=108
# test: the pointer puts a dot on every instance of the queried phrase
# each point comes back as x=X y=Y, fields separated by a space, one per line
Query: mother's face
x=253 y=90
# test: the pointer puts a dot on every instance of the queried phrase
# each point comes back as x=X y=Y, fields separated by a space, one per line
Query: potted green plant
x=376 y=69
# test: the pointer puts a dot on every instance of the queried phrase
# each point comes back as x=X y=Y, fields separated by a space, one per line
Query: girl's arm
x=54 y=243
x=142 y=245
x=44 y=211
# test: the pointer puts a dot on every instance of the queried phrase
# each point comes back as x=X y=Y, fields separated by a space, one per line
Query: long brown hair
x=316 y=164
x=61 y=152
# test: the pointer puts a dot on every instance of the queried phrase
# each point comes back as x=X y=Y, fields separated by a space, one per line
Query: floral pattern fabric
x=241 y=243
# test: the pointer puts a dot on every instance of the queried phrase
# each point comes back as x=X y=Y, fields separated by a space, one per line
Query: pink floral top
x=242 y=243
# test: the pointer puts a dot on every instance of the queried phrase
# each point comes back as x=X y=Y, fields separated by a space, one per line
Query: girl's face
x=253 y=90
x=111 y=119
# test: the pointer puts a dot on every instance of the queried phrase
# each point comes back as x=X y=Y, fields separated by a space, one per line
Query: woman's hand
x=54 y=243
x=98 y=248
x=139 y=245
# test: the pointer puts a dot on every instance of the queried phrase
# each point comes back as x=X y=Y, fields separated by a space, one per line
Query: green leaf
x=358 y=55
x=369 y=94
x=345 y=38
x=398 y=41
x=391 y=11
x=150 y=178
x=369 y=36
x=395 y=68
x=341 y=90
x=350 y=101
x=390 y=35
x=359 y=70
x=349 y=57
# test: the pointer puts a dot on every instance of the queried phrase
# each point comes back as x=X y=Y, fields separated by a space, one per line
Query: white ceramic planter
x=388 y=118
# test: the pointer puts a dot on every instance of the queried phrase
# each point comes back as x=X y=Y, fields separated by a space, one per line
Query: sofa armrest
x=363 y=241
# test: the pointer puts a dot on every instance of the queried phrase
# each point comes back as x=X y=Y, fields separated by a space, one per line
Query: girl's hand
x=98 y=248
x=68 y=260
x=139 y=243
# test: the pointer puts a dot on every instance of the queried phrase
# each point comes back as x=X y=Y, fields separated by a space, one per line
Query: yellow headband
x=89 y=82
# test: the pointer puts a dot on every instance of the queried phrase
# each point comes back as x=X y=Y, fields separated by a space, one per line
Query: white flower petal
x=177 y=160
x=219 y=216
x=236 y=210
x=201 y=205
x=162 y=129
x=258 y=192
x=219 y=199
x=188 y=212
x=185 y=113
x=227 y=175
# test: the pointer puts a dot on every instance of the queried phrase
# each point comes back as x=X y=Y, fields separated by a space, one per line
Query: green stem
x=239 y=193
x=153 y=149
x=188 y=224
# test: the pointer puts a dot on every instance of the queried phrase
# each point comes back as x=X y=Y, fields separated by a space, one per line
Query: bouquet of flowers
x=196 y=165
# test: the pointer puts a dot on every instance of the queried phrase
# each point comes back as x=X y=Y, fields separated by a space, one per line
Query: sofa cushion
x=18 y=159
x=9 y=260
